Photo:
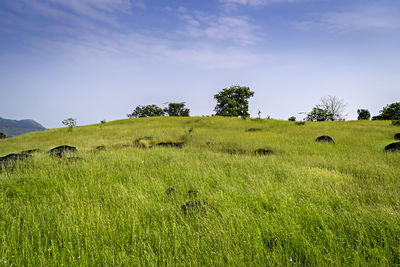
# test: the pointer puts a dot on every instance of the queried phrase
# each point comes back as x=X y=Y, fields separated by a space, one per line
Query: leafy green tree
x=293 y=118
x=146 y=111
x=70 y=123
x=390 y=112
x=363 y=114
x=233 y=101
x=318 y=114
x=177 y=109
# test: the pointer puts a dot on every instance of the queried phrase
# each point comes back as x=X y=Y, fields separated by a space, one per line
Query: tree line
x=234 y=102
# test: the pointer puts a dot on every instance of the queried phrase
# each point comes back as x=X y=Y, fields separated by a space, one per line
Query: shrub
x=2 y=136
x=293 y=118
x=363 y=114
x=177 y=109
x=396 y=122
x=390 y=112
x=146 y=111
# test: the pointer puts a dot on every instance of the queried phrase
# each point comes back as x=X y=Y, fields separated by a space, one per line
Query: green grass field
x=307 y=204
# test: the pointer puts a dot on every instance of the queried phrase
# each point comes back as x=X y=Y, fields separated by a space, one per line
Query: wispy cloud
x=235 y=29
x=363 y=19
x=233 y=3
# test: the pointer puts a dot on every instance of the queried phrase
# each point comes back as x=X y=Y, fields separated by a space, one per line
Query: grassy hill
x=307 y=204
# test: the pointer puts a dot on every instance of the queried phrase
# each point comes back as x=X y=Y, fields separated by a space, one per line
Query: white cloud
x=234 y=29
x=255 y=2
x=364 y=19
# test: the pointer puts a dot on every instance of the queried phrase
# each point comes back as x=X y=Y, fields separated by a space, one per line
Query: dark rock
x=325 y=138
x=193 y=193
x=170 y=191
x=393 y=146
x=397 y=136
x=262 y=151
x=10 y=158
x=100 y=148
x=171 y=144
x=253 y=130
x=30 y=151
x=190 y=205
x=60 y=150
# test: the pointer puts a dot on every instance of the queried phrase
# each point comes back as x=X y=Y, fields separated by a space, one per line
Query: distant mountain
x=13 y=127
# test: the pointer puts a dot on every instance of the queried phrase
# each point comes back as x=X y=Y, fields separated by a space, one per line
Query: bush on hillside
x=146 y=111
x=363 y=114
x=390 y=112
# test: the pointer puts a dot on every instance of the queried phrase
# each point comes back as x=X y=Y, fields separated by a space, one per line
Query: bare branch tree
x=334 y=107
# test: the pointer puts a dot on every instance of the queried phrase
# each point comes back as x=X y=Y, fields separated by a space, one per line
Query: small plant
x=259 y=114
x=70 y=123
x=187 y=136
x=293 y=118
x=300 y=123
x=2 y=136
x=396 y=122
x=103 y=121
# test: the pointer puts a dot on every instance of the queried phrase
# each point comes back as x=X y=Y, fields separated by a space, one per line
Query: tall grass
x=308 y=204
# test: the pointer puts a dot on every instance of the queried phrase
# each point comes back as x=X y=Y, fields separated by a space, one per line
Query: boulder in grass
x=262 y=151
x=10 y=158
x=61 y=150
x=397 y=136
x=170 y=191
x=171 y=144
x=393 y=147
x=325 y=138
x=191 y=206
x=30 y=151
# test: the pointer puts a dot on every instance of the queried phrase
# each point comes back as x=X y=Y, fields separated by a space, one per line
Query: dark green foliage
x=300 y=123
x=319 y=114
x=70 y=123
x=233 y=101
x=177 y=109
x=146 y=111
x=2 y=136
x=390 y=112
x=363 y=114
x=396 y=122
x=293 y=118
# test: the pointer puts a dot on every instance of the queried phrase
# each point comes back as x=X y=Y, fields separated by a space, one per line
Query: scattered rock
x=397 y=136
x=262 y=151
x=325 y=138
x=170 y=191
x=393 y=146
x=60 y=150
x=171 y=144
x=10 y=158
x=190 y=205
x=193 y=193
x=100 y=148
x=253 y=130
x=30 y=151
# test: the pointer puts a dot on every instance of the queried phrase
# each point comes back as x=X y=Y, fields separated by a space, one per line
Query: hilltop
x=307 y=203
x=17 y=127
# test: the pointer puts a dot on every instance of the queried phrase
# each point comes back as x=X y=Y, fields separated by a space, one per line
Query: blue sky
x=98 y=59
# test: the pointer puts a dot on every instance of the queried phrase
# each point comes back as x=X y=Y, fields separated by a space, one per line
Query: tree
x=70 y=122
x=233 y=101
x=335 y=107
x=363 y=114
x=2 y=136
x=146 y=111
x=390 y=112
x=177 y=109
x=318 y=114
x=330 y=109
x=293 y=118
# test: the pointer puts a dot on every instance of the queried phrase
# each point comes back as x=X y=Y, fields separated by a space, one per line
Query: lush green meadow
x=307 y=204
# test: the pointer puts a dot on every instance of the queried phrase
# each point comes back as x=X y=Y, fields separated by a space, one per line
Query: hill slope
x=307 y=204
x=17 y=127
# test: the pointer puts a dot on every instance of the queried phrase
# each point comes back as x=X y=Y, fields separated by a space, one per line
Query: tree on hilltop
x=177 y=109
x=233 y=101
x=389 y=112
x=146 y=111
